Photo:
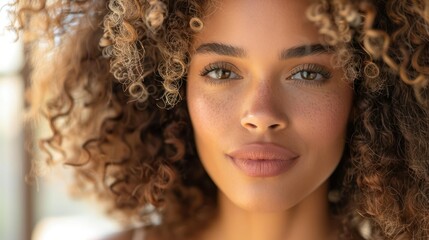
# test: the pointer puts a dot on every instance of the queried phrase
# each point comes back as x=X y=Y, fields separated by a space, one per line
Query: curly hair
x=109 y=75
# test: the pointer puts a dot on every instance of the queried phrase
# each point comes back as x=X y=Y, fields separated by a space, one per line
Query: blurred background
x=41 y=210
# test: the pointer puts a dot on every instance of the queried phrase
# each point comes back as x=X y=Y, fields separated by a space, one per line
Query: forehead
x=254 y=22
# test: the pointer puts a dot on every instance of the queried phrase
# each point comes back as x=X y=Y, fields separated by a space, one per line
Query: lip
x=263 y=159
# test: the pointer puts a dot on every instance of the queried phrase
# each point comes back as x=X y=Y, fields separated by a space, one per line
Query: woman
x=240 y=119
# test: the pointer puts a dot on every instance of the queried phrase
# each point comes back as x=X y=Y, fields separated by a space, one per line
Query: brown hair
x=116 y=116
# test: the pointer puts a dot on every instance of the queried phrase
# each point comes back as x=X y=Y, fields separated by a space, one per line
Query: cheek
x=211 y=114
x=212 y=121
x=319 y=128
x=322 y=128
x=325 y=115
x=206 y=112
x=337 y=113
x=319 y=123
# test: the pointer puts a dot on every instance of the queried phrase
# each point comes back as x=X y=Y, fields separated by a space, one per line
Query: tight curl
x=109 y=75
x=142 y=39
x=386 y=177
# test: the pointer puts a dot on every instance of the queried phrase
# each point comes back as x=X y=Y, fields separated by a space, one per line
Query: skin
x=256 y=97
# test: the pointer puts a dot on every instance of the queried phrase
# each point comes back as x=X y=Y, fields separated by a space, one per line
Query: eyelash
x=312 y=68
x=219 y=66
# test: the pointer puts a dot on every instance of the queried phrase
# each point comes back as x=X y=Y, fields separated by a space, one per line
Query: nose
x=264 y=110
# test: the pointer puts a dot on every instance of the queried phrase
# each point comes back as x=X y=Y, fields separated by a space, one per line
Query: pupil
x=222 y=74
x=308 y=75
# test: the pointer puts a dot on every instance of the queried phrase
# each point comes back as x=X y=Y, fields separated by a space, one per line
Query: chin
x=263 y=200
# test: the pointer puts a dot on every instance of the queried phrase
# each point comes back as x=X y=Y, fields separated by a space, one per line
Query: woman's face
x=268 y=108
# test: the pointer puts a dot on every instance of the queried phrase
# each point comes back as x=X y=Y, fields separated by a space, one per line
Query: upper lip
x=263 y=151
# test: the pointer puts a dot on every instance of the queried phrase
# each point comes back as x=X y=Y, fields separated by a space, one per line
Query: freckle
x=322 y=110
x=214 y=109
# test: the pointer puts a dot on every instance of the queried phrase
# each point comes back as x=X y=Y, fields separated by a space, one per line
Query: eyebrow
x=305 y=50
x=221 y=49
x=233 y=51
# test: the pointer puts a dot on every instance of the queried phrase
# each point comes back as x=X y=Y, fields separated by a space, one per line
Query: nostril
x=262 y=123
x=274 y=126
x=251 y=125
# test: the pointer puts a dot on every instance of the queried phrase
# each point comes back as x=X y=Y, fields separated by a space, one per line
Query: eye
x=307 y=75
x=222 y=74
x=220 y=71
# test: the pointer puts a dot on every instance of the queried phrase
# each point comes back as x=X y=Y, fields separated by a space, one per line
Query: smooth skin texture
x=249 y=82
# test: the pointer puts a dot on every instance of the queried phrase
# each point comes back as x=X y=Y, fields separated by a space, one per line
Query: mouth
x=263 y=159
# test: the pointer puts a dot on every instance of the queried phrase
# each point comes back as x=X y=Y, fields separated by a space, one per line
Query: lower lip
x=263 y=168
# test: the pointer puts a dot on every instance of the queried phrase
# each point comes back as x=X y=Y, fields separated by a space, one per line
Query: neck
x=309 y=220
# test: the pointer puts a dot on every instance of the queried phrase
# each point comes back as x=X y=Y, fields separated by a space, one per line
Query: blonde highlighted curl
x=386 y=176
x=109 y=76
